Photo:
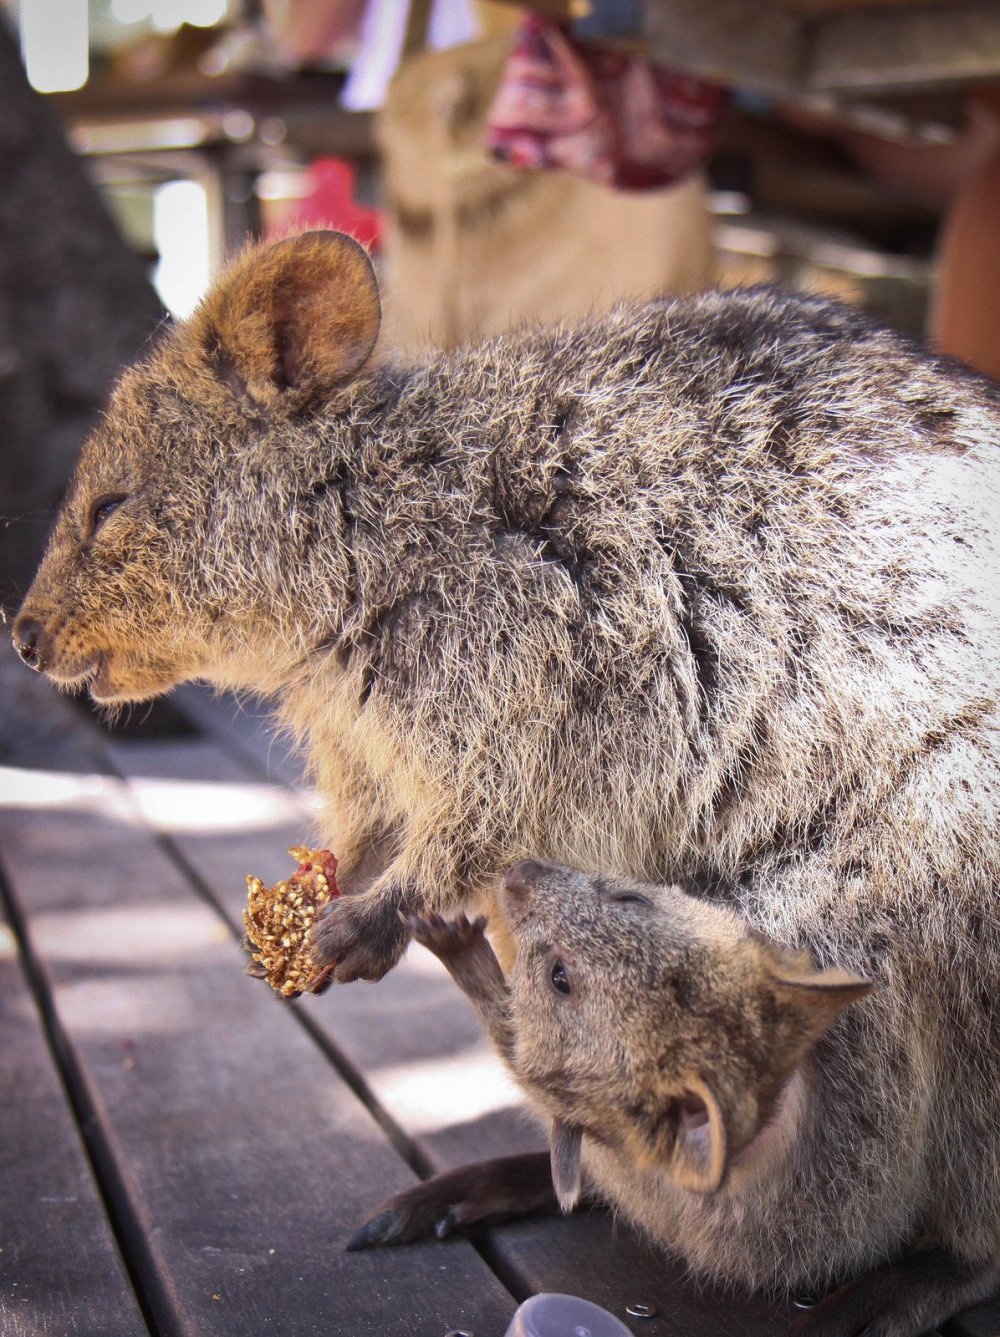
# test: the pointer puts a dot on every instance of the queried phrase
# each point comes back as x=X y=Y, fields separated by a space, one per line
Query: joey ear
x=700 y=1157
x=301 y=315
x=567 y=1146
x=817 y=997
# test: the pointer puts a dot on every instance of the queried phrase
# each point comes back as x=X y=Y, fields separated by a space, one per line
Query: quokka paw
x=486 y=1192
x=355 y=939
x=446 y=937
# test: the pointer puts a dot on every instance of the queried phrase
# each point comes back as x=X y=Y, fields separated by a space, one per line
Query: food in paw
x=278 y=920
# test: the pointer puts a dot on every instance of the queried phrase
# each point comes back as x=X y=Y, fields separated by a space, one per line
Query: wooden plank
x=242 y=1159
x=817 y=7
x=741 y=43
x=771 y=49
x=587 y=1254
x=245 y=728
x=60 y=1269
x=421 y=1052
x=413 y=1035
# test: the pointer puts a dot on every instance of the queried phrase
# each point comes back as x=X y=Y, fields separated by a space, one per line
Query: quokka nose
x=522 y=877
x=30 y=641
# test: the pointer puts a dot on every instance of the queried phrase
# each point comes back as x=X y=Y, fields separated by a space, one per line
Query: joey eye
x=101 y=509
x=559 y=979
x=632 y=898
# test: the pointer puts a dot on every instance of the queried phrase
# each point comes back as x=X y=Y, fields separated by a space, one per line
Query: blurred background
x=503 y=164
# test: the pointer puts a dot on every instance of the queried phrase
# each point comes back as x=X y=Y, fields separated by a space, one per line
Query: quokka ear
x=700 y=1158
x=567 y=1147
x=817 y=997
x=302 y=315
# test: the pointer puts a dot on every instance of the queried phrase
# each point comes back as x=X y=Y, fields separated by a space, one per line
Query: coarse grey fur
x=698 y=588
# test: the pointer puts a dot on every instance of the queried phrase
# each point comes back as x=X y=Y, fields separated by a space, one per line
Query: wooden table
x=181 y=1152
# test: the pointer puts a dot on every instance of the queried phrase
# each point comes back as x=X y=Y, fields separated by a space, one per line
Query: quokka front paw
x=358 y=937
x=461 y=945
x=446 y=938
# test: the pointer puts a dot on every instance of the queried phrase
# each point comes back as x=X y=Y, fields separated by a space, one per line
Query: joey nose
x=521 y=878
x=30 y=642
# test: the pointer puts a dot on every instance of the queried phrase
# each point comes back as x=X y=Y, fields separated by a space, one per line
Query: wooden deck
x=183 y=1153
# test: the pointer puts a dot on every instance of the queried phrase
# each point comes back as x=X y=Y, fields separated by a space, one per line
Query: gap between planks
x=128 y=1234
x=247 y=758
x=174 y=1312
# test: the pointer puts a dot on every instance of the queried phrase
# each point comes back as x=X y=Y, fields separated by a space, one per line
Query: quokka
x=699 y=1076
x=701 y=592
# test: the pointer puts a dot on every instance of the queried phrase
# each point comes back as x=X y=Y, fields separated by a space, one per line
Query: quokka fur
x=700 y=1079
x=704 y=591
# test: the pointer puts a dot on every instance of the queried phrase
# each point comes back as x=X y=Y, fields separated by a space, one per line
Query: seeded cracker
x=278 y=919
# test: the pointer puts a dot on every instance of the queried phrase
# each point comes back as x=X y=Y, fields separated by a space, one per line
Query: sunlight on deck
x=432 y=1094
x=204 y=806
x=143 y=935
x=104 y=1007
x=193 y=806
x=131 y=966
x=46 y=790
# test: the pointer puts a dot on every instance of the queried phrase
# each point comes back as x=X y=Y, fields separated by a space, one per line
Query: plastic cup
x=564 y=1316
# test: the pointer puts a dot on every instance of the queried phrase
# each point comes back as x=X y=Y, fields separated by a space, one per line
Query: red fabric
x=615 y=118
x=330 y=203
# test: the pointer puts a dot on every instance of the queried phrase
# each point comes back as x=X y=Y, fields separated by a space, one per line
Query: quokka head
x=169 y=557
x=654 y=1022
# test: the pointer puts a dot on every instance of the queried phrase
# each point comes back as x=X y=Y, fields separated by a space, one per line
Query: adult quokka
x=691 y=588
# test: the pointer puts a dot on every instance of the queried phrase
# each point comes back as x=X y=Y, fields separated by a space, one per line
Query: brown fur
x=672 y=1008
x=696 y=1066
x=702 y=588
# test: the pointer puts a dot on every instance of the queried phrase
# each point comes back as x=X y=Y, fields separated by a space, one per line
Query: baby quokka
x=725 y=1093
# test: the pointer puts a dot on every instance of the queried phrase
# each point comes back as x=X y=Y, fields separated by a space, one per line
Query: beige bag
x=473 y=247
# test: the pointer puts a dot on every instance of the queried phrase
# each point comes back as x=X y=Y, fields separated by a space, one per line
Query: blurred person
x=470 y=245
x=961 y=180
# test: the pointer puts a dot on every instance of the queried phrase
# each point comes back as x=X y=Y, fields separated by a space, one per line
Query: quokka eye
x=101 y=509
x=559 y=979
x=632 y=898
